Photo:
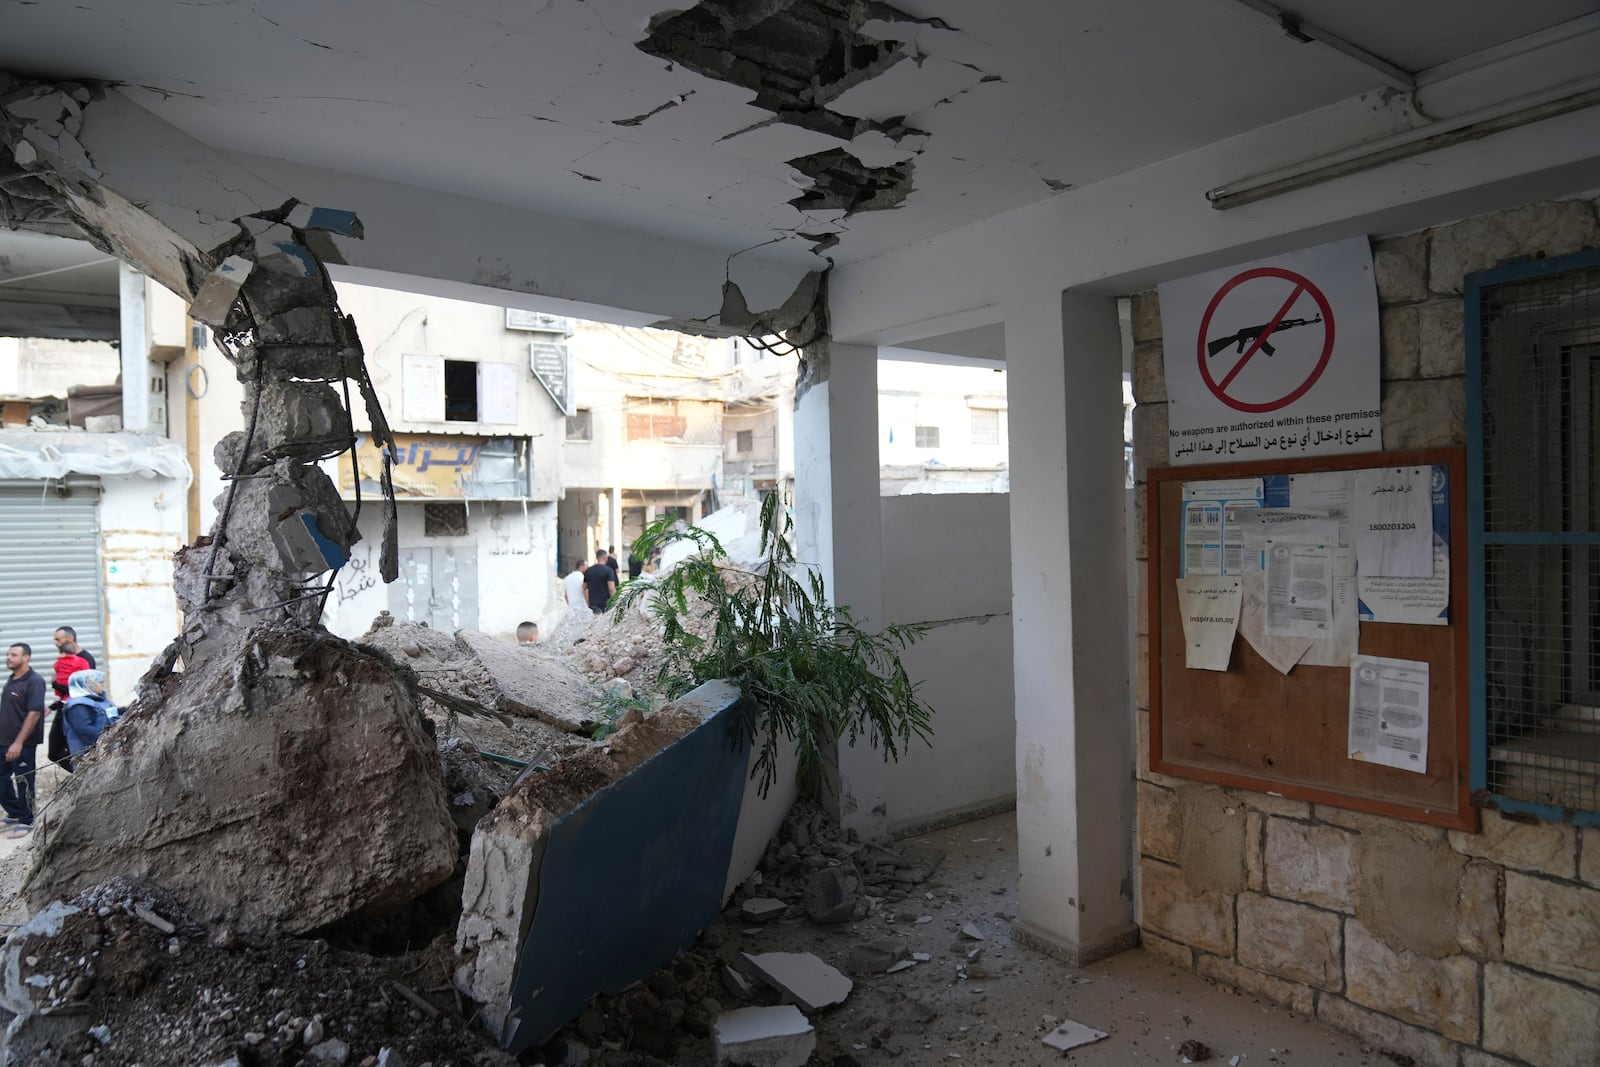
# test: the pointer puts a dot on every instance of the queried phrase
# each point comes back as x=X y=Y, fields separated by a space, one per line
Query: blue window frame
x=1532 y=332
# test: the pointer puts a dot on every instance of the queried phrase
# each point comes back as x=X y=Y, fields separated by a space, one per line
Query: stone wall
x=1457 y=949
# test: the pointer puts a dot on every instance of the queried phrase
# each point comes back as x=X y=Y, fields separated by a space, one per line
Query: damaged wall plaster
x=256 y=280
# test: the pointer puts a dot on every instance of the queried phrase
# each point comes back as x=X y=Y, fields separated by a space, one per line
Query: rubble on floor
x=221 y=791
x=121 y=974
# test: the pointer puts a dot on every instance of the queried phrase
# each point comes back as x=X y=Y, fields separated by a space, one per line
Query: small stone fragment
x=762 y=909
x=1194 y=1052
x=972 y=933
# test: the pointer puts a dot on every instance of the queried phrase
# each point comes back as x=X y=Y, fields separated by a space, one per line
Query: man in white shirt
x=573 y=584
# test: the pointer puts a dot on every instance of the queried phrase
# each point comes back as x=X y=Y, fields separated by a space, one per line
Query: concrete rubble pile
x=220 y=792
x=488 y=673
x=121 y=974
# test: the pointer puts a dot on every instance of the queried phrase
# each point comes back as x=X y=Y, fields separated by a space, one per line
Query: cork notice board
x=1253 y=728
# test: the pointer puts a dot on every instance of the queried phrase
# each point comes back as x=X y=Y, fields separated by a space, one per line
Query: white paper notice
x=1419 y=601
x=1336 y=649
x=1391 y=513
x=1389 y=712
x=1300 y=583
x=1330 y=492
x=1282 y=652
x=1212 y=542
x=1210 y=607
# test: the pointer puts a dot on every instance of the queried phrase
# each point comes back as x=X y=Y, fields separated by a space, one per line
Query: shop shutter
x=50 y=565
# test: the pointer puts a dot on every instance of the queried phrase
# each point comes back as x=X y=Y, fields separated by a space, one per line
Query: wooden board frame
x=1231 y=727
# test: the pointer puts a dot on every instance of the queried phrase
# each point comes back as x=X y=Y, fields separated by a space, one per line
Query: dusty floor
x=1010 y=997
x=930 y=1014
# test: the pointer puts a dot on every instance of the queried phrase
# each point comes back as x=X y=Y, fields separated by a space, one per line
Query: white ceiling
x=516 y=101
x=53 y=287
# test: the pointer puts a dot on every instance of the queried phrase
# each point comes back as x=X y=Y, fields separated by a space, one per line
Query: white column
x=135 y=350
x=839 y=530
x=1074 y=766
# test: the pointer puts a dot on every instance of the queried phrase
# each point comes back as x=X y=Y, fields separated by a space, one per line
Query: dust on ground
x=986 y=1002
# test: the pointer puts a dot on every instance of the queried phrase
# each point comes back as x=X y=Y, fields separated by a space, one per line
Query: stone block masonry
x=1455 y=949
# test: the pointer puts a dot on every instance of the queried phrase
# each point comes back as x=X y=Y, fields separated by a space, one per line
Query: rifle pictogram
x=1250 y=333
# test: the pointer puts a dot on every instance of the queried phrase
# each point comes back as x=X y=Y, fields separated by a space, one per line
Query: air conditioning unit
x=538 y=322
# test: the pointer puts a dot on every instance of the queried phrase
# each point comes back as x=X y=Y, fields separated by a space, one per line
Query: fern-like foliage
x=808 y=672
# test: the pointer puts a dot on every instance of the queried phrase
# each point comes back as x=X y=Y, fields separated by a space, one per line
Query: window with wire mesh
x=580 y=427
x=1540 y=430
x=444 y=520
x=678 y=422
x=985 y=426
x=927 y=436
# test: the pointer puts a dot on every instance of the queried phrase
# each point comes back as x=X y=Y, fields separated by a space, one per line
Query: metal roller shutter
x=50 y=566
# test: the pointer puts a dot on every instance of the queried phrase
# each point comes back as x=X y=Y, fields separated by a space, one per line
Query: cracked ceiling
x=774 y=126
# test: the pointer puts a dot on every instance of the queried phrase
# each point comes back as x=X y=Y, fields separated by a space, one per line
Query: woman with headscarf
x=88 y=711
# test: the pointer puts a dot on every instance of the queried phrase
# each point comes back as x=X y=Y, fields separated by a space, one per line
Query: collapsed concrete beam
x=592 y=875
x=221 y=794
x=241 y=250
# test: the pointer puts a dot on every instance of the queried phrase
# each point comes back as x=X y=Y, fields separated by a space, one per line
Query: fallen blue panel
x=629 y=878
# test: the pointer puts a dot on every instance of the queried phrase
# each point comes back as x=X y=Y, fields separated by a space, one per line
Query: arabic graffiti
x=425 y=454
x=356 y=577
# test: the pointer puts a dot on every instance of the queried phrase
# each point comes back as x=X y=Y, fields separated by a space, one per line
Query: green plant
x=809 y=673
x=609 y=706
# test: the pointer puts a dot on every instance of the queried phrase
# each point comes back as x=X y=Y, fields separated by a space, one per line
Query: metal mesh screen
x=1541 y=463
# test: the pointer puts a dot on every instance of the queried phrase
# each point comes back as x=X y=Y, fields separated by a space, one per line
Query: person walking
x=71 y=658
x=88 y=711
x=573 y=585
x=600 y=581
x=21 y=730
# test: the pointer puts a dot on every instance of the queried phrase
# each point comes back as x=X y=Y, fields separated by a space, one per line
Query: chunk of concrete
x=875 y=957
x=764 y=1037
x=762 y=909
x=812 y=983
x=218 y=790
x=531 y=682
x=1070 y=1035
x=829 y=896
x=220 y=291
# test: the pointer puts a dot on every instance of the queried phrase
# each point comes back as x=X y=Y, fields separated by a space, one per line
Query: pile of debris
x=755 y=1007
x=121 y=974
x=812 y=870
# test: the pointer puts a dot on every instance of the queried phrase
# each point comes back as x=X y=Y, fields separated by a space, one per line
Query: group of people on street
x=82 y=712
x=592 y=585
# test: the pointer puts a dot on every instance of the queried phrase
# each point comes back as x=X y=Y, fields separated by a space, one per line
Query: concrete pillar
x=839 y=530
x=135 y=350
x=1074 y=762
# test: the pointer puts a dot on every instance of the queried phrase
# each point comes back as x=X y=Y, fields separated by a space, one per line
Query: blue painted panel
x=630 y=877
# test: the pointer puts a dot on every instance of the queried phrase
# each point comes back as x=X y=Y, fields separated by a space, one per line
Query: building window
x=444 y=519
x=460 y=391
x=678 y=422
x=1533 y=373
x=745 y=441
x=580 y=427
x=927 y=437
x=985 y=426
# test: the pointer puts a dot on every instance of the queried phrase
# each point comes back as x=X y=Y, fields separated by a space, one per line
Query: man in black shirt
x=599 y=583
x=21 y=716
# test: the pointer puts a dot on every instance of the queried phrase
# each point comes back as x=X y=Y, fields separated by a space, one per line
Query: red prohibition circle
x=1322 y=362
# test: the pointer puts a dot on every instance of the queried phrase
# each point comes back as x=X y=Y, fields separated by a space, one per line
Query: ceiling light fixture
x=1460 y=129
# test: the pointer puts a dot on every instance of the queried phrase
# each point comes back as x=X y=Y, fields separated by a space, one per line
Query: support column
x=839 y=529
x=1074 y=764
x=135 y=350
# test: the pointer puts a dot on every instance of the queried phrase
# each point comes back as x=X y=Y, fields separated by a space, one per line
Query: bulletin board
x=1252 y=727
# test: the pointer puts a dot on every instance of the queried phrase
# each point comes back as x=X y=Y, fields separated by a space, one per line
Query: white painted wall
x=516 y=553
x=930 y=394
x=613 y=363
x=141 y=526
x=394 y=324
x=958 y=584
